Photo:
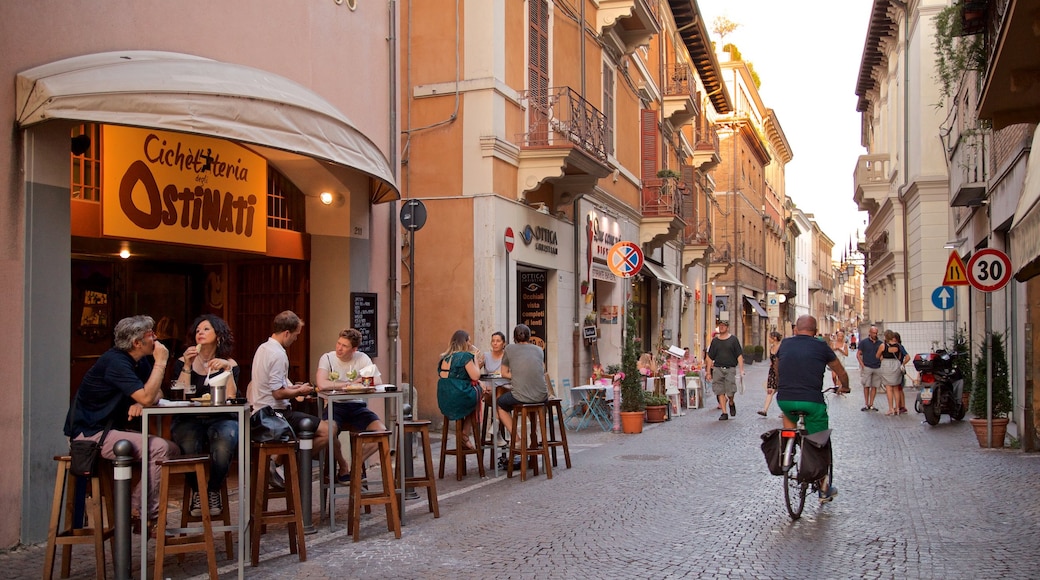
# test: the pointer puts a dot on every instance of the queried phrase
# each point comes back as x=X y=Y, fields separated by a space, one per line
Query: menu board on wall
x=363 y=314
x=532 y=304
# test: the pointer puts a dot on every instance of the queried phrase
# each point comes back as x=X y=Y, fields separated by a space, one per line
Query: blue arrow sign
x=944 y=297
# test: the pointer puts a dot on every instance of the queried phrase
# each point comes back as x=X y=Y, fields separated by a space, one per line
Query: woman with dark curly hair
x=211 y=342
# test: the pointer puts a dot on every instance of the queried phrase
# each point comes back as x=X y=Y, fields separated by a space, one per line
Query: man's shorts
x=816 y=419
x=724 y=381
x=351 y=415
x=870 y=378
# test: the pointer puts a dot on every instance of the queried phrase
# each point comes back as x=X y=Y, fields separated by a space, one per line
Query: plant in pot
x=632 y=405
x=1000 y=403
x=758 y=352
x=656 y=407
x=749 y=354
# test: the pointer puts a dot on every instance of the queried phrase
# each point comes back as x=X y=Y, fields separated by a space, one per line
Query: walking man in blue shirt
x=870 y=368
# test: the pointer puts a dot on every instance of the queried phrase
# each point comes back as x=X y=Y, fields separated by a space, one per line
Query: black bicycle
x=795 y=486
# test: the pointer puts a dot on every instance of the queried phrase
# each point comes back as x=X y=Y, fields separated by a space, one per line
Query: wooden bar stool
x=98 y=504
x=554 y=412
x=387 y=496
x=183 y=540
x=264 y=492
x=187 y=518
x=422 y=428
x=533 y=415
x=459 y=452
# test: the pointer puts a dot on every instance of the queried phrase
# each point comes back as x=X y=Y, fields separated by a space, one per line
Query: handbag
x=84 y=452
x=268 y=424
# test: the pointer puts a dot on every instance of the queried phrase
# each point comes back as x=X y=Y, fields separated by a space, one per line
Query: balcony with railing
x=627 y=24
x=567 y=139
x=662 y=203
x=871 y=181
x=679 y=98
x=706 y=149
x=969 y=168
x=697 y=241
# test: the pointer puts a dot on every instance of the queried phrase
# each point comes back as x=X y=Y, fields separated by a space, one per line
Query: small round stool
x=459 y=452
x=263 y=492
x=532 y=414
x=387 y=496
x=183 y=540
x=422 y=428
x=66 y=535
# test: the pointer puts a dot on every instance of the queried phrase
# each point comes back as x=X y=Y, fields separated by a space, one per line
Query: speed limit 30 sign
x=989 y=270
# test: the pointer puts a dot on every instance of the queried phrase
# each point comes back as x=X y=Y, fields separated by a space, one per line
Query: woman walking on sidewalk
x=771 y=379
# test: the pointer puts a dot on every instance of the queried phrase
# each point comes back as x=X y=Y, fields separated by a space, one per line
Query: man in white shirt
x=337 y=369
x=270 y=385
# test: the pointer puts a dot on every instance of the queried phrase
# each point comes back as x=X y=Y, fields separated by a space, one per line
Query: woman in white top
x=493 y=359
x=841 y=350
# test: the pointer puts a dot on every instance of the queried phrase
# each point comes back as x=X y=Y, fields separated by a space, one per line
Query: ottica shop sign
x=185 y=189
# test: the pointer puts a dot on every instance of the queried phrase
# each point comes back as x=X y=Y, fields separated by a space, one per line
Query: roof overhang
x=1025 y=243
x=756 y=307
x=882 y=26
x=690 y=24
x=191 y=94
x=662 y=274
x=1011 y=93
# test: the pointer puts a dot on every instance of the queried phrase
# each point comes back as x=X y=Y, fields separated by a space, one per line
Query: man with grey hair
x=116 y=389
x=870 y=367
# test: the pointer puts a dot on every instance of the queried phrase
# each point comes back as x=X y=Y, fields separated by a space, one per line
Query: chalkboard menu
x=363 y=307
x=532 y=304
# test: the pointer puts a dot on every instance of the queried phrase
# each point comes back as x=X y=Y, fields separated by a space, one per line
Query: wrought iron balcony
x=560 y=117
x=698 y=233
x=680 y=94
x=662 y=197
x=706 y=149
x=969 y=168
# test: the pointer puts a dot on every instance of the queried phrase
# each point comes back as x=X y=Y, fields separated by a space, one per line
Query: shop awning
x=756 y=306
x=1025 y=243
x=191 y=94
x=660 y=273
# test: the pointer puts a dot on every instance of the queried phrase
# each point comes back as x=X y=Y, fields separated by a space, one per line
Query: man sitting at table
x=121 y=383
x=337 y=369
x=270 y=385
x=524 y=364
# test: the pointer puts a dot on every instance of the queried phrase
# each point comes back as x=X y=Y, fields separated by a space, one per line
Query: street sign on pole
x=944 y=297
x=989 y=270
x=625 y=259
x=510 y=240
x=413 y=215
x=956 y=274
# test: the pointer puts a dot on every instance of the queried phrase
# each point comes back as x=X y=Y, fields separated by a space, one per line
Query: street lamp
x=955 y=244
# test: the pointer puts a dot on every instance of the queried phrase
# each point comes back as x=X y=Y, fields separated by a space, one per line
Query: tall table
x=192 y=408
x=340 y=396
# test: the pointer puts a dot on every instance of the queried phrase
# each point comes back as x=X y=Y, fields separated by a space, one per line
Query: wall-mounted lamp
x=331 y=198
x=954 y=244
x=124 y=253
x=326 y=198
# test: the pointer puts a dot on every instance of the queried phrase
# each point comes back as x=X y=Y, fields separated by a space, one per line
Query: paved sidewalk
x=692 y=498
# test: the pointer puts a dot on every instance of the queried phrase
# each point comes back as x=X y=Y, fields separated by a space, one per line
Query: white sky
x=807 y=57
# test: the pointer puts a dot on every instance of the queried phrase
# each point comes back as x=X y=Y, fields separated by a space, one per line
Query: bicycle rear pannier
x=773 y=449
x=815 y=456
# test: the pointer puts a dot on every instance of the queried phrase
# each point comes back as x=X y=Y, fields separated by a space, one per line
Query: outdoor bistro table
x=340 y=396
x=595 y=398
x=493 y=383
x=193 y=408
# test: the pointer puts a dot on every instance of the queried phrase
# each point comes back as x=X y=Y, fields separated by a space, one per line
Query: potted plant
x=749 y=354
x=1000 y=402
x=656 y=407
x=632 y=405
x=758 y=352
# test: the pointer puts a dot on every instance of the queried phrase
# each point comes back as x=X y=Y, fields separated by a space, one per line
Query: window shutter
x=648 y=143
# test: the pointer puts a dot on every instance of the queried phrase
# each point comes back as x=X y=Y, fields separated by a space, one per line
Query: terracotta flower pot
x=656 y=413
x=999 y=431
x=632 y=422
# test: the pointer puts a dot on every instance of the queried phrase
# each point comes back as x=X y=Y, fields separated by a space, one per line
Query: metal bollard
x=407 y=458
x=306 y=436
x=124 y=452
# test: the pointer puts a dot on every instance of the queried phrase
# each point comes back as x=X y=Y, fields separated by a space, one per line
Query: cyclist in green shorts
x=801 y=363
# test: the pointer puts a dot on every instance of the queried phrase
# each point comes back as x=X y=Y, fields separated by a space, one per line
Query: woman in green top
x=457 y=396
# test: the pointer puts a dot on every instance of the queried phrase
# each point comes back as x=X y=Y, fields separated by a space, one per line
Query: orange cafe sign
x=185 y=189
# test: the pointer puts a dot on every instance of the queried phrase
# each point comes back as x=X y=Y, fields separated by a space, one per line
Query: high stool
x=183 y=540
x=554 y=411
x=187 y=518
x=387 y=496
x=99 y=491
x=263 y=492
x=459 y=452
x=422 y=428
x=532 y=414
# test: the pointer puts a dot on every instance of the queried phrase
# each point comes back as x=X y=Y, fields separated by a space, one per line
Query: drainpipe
x=906 y=153
x=576 y=341
x=393 y=324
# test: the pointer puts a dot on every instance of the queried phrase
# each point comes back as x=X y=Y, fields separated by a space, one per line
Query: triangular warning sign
x=956 y=273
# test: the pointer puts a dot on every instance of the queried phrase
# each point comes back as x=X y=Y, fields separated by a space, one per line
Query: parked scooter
x=941 y=387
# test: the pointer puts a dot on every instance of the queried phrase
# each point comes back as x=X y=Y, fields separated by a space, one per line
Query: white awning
x=756 y=306
x=660 y=273
x=191 y=94
x=1025 y=243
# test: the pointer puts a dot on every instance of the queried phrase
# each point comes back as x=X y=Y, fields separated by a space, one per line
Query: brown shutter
x=648 y=143
x=538 y=70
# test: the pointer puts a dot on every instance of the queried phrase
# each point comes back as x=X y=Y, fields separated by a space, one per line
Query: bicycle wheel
x=794 y=490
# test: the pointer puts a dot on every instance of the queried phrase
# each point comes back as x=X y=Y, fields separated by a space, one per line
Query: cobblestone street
x=692 y=498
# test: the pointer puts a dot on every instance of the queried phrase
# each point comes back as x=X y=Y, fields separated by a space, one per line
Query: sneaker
x=723 y=417
x=196 y=505
x=763 y=413
x=732 y=408
x=832 y=492
x=865 y=409
x=215 y=505
x=276 y=474
x=873 y=408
